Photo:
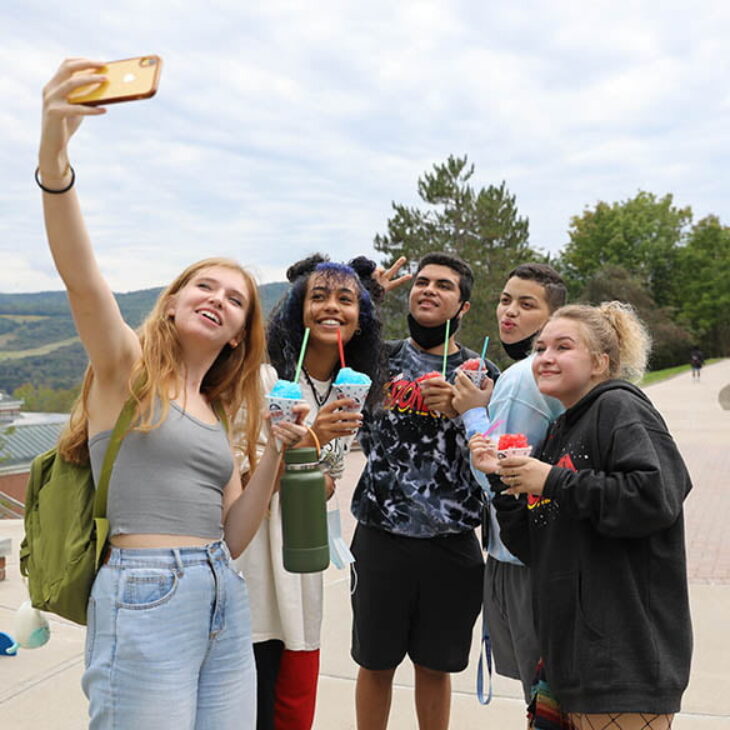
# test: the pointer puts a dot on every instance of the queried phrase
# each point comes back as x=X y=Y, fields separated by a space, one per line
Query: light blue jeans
x=168 y=642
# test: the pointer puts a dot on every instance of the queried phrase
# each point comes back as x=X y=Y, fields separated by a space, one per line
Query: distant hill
x=271 y=293
x=38 y=343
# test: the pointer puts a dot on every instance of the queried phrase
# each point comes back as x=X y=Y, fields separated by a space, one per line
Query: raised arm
x=111 y=344
x=243 y=511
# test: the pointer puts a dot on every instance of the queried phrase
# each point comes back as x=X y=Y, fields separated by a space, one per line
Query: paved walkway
x=702 y=429
x=40 y=689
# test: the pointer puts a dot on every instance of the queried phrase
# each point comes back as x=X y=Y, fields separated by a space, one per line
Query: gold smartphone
x=127 y=80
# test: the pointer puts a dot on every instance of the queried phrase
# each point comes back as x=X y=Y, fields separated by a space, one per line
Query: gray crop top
x=168 y=481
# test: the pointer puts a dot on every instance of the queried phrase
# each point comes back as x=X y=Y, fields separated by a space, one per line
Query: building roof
x=27 y=436
x=9 y=408
x=7 y=401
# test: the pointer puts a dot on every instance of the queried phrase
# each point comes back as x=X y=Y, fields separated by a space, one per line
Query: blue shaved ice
x=348 y=376
x=286 y=389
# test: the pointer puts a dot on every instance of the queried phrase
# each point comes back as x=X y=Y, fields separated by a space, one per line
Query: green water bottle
x=303 y=512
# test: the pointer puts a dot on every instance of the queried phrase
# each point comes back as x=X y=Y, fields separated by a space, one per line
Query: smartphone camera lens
x=147 y=61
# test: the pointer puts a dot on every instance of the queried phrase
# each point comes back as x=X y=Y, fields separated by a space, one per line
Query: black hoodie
x=606 y=545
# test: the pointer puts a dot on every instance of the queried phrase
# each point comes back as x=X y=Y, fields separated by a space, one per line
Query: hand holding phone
x=126 y=80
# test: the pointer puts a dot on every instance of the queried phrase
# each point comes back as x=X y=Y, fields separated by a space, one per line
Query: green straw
x=446 y=348
x=484 y=347
x=301 y=355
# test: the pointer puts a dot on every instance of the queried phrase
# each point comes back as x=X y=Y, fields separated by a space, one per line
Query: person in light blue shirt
x=532 y=292
x=516 y=406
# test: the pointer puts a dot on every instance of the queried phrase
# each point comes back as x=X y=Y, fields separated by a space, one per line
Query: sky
x=282 y=128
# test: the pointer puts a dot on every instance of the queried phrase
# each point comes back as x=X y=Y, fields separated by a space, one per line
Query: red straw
x=341 y=347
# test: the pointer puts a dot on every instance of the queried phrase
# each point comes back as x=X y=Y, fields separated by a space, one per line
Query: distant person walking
x=696 y=360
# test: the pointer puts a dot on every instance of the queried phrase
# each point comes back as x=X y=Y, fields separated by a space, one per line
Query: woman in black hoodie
x=599 y=519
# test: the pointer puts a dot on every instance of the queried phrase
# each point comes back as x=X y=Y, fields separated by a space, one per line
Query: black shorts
x=415 y=596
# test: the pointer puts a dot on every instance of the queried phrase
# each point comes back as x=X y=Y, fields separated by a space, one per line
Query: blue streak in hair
x=335 y=268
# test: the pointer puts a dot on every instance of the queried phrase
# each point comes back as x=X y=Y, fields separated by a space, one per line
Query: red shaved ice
x=512 y=441
x=473 y=363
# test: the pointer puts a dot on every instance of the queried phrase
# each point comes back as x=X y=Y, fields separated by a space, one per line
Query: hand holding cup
x=337 y=419
x=484 y=453
x=437 y=394
x=523 y=475
x=468 y=395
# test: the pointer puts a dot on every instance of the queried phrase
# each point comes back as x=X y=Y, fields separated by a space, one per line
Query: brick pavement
x=701 y=428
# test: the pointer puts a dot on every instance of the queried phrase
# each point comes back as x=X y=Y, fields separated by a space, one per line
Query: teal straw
x=446 y=348
x=301 y=355
x=484 y=347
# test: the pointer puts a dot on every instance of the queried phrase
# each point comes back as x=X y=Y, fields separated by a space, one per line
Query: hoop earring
x=358 y=331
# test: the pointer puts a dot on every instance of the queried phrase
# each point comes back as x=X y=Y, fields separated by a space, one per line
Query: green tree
x=7 y=431
x=670 y=341
x=642 y=234
x=47 y=400
x=482 y=226
x=702 y=284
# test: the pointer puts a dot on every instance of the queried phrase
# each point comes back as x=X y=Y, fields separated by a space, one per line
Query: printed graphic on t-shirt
x=332 y=456
x=542 y=509
x=566 y=462
x=417 y=480
x=406 y=396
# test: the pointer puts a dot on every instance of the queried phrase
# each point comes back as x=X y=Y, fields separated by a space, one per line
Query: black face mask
x=430 y=337
x=520 y=350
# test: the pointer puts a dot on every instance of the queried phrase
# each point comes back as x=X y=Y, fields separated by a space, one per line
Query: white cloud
x=281 y=128
x=24 y=275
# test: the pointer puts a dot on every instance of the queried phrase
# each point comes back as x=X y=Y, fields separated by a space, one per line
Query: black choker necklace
x=320 y=400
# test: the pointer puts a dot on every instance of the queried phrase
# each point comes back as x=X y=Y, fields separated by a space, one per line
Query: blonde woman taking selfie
x=169 y=636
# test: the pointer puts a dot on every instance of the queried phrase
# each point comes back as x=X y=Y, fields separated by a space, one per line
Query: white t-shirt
x=286 y=606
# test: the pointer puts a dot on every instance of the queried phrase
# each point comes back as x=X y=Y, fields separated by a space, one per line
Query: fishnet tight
x=623 y=720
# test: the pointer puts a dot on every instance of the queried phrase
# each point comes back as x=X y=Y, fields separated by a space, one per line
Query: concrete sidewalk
x=40 y=689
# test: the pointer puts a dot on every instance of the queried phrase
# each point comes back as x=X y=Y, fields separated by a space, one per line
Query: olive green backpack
x=66 y=529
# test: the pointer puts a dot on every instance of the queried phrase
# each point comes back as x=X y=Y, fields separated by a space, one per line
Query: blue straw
x=484 y=347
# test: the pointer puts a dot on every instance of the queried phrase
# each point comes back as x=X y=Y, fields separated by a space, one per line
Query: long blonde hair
x=232 y=380
x=613 y=328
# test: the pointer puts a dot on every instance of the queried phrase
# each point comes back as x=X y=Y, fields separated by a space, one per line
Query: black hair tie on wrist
x=55 y=192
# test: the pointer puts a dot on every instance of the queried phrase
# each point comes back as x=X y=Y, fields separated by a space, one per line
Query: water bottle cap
x=301 y=455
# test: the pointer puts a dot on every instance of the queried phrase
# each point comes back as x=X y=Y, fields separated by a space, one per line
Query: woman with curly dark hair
x=287 y=322
x=286 y=608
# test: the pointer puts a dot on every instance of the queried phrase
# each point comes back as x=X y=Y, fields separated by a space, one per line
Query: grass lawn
x=656 y=376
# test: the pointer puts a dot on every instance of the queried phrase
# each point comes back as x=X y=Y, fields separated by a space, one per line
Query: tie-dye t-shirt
x=417 y=480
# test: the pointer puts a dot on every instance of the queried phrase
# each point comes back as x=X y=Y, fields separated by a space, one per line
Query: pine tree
x=481 y=226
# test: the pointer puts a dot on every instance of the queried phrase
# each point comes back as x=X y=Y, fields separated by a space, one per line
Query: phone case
x=127 y=80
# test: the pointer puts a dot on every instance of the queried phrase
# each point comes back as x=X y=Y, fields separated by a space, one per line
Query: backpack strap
x=120 y=430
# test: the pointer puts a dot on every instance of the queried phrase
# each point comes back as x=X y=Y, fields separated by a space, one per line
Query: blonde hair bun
x=613 y=328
